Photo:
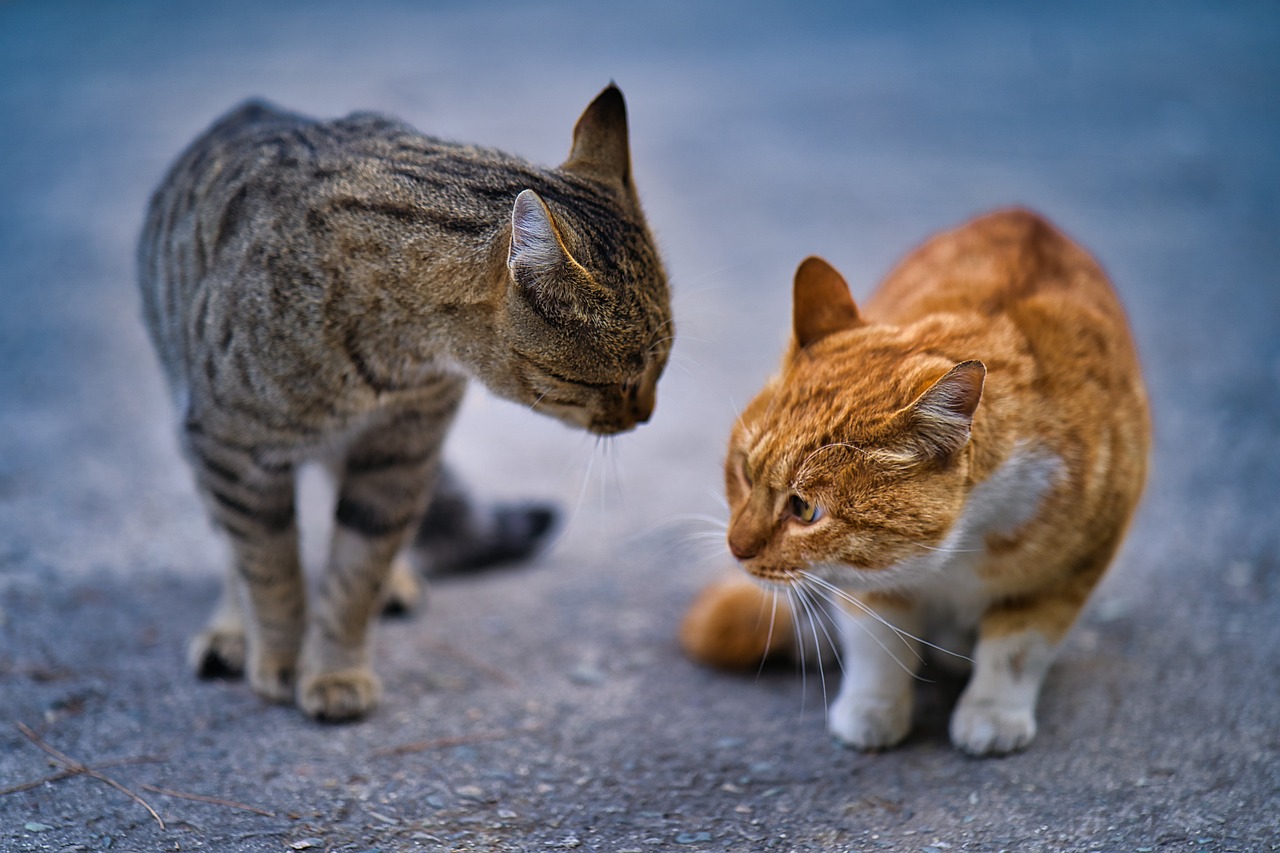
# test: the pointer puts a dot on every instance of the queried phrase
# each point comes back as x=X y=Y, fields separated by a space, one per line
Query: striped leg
x=254 y=505
x=386 y=484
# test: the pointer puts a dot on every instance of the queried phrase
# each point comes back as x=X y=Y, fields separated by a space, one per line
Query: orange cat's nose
x=743 y=547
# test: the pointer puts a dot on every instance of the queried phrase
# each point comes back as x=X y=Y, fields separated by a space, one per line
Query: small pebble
x=587 y=676
x=692 y=837
x=37 y=827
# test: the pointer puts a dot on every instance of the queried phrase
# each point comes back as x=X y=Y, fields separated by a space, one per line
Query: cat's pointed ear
x=600 y=146
x=536 y=243
x=941 y=418
x=821 y=302
x=542 y=267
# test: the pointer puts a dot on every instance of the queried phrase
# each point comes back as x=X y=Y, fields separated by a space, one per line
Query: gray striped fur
x=324 y=290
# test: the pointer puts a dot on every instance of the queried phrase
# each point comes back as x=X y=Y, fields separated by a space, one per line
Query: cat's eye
x=805 y=511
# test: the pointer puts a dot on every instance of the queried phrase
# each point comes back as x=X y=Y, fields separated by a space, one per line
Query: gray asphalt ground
x=548 y=707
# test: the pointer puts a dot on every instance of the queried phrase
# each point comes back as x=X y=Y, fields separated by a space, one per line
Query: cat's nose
x=741 y=546
x=643 y=400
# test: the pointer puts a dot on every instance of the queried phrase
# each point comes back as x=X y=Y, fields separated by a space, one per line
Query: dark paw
x=217 y=654
x=215 y=667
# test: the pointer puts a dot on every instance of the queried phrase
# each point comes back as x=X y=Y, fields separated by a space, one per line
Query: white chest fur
x=946 y=574
x=1002 y=503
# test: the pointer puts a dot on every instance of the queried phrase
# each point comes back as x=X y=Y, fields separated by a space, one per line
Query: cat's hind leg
x=219 y=650
x=384 y=489
x=253 y=504
x=405 y=591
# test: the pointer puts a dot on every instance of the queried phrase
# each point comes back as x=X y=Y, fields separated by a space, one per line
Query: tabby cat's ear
x=541 y=265
x=536 y=244
x=822 y=304
x=940 y=419
x=600 y=147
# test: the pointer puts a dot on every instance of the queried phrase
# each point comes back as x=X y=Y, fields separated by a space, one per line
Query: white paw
x=870 y=722
x=987 y=728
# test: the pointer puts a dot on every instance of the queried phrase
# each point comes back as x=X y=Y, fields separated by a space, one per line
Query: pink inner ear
x=822 y=304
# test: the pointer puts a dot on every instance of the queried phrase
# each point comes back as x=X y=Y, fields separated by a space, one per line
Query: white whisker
x=716 y=536
x=768 y=640
x=613 y=454
x=804 y=670
x=831 y=641
x=689 y=366
x=711 y=520
x=901 y=664
x=582 y=491
x=541 y=397
x=722 y=500
x=800 y=469
x=841 y=595
x=807 y=603
x=951 y=550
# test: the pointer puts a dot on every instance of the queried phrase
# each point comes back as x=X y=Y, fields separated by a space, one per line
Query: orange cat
x=963 y=453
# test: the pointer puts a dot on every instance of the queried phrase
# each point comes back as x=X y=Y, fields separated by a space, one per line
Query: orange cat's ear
x=940 y=419
x=822 y=304
x=600 y=147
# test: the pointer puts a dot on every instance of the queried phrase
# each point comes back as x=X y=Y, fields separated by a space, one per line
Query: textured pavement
x=547 y=706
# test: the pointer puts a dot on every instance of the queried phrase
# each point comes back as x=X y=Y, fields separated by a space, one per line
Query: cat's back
x=259 y=158
x=1013 y=291
x=996 y=264
x=1020 y=282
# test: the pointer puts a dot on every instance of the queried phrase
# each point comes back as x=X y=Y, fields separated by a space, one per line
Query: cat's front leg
x=996 y=713
x=336 y=680
x=385 y=487
x=879 y=657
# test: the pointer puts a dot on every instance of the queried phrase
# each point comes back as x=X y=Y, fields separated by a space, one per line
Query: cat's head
x=851 y=462
x=588 y=304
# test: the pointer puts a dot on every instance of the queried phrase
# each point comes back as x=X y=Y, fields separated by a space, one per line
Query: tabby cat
x=324 y=290
x=960 y=456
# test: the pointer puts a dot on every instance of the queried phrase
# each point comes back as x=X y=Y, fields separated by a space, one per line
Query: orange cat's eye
x=805 y=511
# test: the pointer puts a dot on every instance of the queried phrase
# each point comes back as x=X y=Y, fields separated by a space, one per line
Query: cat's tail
x=735 y=623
